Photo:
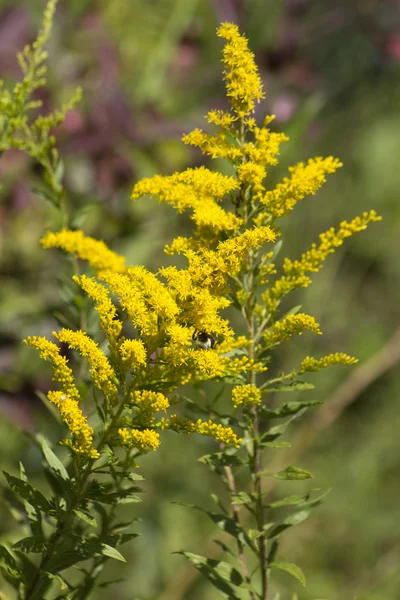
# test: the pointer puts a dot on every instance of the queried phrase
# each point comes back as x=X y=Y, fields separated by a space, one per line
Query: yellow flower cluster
x=107 y=312
x=76 y=422
x=133 y=353
x=155 y=294
x=243 y=83
x=206 y=428
x=248 y=395
x=145 y=440
x=132 y=302
x=304 y=180
x=61 y=371
x=316 y=364
x=86 y=248
x=290 y=325
x=196 y=189
x=148 y=401
x=312 y=260
x=216 y=146
x=102 y=373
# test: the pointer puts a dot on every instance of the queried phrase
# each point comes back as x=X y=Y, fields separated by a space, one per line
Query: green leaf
x=63 y=584
x=45 y=195
x=224 y=547
x=290 y=568
x=28 y=493
x=9 y=565
x=287 y=501
x=27 y=567
x=52 y=460
x=276 y=444
x=242 y=498
x=290 y=408
x=274 y=432
x=117 y=539
x=293 y=519
x=112 y=552
x=294 y=386
x=85 y=517
x=34 y=544
x=291 y=473
x=219 y=460
x=136 y=477
x=221 y=574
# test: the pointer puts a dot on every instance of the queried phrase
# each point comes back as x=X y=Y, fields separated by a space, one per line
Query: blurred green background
x=150 y=70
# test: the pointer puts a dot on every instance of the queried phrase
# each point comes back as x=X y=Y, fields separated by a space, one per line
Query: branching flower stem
x=80 y=488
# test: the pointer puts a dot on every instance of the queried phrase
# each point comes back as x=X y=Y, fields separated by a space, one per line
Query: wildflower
x=61 y=371
x=305 y=179
x=196 y=189
x=149 y=401
x=82 y=433
x=290 y=325
x=109 y=323
x=248 y=395
x=132 y=302
x=243 y=83
x=206 y=428
x=86 y=248
x=315 y=364
x=145 y=440
x=313 y=260
x=133 y=353
x=155 y=293
x=101 y=372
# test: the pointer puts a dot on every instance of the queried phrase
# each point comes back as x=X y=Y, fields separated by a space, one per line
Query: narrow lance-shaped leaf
x=221 y=574
x=290 y=568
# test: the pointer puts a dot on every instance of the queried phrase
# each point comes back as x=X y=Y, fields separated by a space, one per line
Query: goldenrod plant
x=120 y=387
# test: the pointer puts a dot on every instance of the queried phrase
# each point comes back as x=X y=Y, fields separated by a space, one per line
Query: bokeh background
x=150 y=70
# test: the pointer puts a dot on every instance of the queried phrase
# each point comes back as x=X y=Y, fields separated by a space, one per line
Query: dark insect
x=203 y=340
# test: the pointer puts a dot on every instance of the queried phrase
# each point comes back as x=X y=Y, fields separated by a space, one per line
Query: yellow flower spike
x=132 y=302
x=243 y=83
x=251 y=173
x=235 y=250
x=86 y=248
x=218 y=432
x=61 y=371
x=248 y=395
x=145 y=440
x=206 y=428
x=180 y=281
x=316 y=364
x=216 y=146
x=149 y=401
x=101 y=372
x=196 y=189
x=76 y=422
x=155 y=293
x=290 y=325
x=133 y=354
x=107 y=312
x=304 y=180
x=313 y=260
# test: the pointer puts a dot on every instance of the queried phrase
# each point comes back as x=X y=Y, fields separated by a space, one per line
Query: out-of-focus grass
x=150 y=70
